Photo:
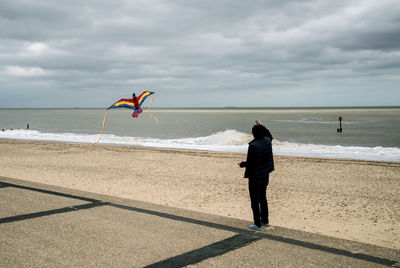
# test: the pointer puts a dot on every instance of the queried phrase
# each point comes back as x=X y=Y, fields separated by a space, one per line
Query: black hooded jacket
x=260 y=161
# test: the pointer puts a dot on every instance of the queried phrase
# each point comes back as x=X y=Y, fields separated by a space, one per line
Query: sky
x=201 y=53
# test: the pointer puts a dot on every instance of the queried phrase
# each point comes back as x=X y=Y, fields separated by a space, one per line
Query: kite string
x=102 y=129
x=148 y=111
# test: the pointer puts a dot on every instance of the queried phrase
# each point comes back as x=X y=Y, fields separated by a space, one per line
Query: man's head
x=133 y=95
x=259 y=131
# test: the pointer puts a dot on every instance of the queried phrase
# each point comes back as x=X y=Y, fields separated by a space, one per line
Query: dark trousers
x=258 y=198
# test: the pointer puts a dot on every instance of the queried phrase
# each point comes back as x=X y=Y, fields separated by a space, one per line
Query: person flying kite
x=135 y=104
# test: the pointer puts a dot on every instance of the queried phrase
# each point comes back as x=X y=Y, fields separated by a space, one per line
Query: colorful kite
x=135 y=104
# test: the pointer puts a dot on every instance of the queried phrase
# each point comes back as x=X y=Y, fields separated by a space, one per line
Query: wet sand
x=356 y=200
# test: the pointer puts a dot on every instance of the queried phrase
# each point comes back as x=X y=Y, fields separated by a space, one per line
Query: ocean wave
x=225 y=141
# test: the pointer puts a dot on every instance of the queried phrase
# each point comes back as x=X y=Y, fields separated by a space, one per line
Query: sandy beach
x=356 y=200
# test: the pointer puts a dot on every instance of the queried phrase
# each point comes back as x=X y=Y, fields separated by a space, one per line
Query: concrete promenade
x=48 y=226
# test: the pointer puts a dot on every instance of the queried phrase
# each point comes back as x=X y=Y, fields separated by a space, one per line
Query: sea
x=369 y=133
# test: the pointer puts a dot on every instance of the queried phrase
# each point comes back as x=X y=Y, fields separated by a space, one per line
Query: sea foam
x=225 y=141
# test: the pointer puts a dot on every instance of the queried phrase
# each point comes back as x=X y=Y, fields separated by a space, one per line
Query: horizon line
x=226 y=107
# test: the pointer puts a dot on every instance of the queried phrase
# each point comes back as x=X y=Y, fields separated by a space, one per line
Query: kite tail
x=148 y=111
x=101 y=133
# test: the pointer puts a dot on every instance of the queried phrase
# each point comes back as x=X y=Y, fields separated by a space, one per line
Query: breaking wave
x=225 y=141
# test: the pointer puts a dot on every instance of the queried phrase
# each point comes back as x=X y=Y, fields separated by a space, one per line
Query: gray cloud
x=200 y=53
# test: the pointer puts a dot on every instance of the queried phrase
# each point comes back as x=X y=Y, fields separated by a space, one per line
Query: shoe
x=265 y=223
x=255 y=227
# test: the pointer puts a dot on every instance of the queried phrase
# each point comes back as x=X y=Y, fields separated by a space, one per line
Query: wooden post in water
x=339 y=130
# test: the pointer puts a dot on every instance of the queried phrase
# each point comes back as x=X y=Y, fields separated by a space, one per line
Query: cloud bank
x=200 y=53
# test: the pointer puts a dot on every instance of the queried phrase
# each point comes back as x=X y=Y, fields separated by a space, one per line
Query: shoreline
x=194 y=151
x=382 y=162
x=350 y=199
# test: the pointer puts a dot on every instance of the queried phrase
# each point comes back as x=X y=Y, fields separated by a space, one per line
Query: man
x=259 y=164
